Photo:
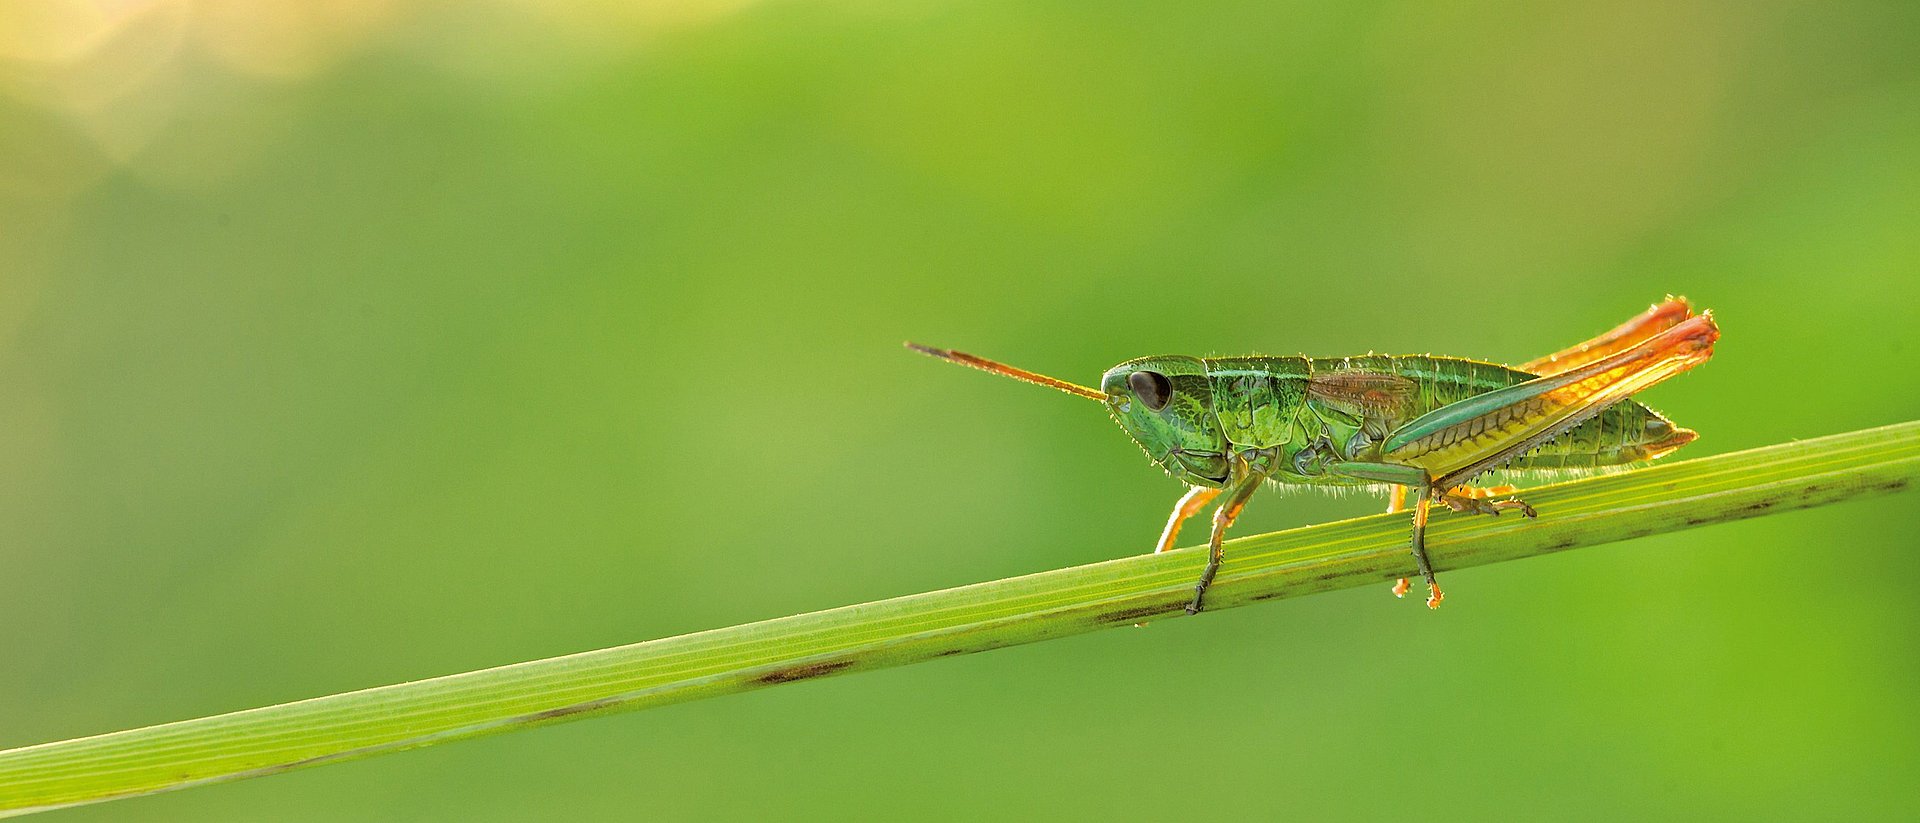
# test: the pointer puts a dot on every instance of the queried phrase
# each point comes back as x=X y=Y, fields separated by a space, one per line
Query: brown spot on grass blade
x=568 y=711
x=804 y=672
x=1135 y=613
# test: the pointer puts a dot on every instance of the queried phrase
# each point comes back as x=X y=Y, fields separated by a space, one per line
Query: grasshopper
x=1417 y=426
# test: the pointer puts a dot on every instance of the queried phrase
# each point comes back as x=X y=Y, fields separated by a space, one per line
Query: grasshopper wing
x=1369 y=394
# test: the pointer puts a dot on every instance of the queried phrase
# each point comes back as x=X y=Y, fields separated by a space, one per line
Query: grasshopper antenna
x=986 y=365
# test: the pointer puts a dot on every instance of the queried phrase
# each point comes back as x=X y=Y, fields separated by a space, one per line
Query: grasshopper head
x=1166 y=405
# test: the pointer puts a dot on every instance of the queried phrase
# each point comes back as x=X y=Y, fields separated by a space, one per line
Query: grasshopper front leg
x=1409 y=481
x=1248 y=475
x=1193 y=501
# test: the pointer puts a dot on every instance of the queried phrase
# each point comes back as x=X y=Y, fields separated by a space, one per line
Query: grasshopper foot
x=1200 y=591
x=1400 y=588
x=1471 y=500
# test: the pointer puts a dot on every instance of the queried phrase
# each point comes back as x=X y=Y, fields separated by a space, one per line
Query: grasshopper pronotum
x=1224 y=425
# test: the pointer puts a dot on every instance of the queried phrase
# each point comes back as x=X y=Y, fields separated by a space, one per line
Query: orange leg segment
x=1662 y=316
x=1191 y=503
x=1482 y=492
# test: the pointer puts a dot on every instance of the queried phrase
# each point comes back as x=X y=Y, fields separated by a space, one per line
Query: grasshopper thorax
x=1165 y=404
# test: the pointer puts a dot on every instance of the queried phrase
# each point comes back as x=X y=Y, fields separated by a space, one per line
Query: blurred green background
x=345 y=343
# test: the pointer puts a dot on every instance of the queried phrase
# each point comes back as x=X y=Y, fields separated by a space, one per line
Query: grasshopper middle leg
x=1465 y=499
x=1409 y=480
x=1396 y=503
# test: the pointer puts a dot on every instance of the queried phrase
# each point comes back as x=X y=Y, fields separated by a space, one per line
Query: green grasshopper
x=1414 y=424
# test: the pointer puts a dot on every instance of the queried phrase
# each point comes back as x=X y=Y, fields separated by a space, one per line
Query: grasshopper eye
x=1152 y=388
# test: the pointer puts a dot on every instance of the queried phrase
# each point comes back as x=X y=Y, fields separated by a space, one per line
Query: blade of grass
x=921 y=627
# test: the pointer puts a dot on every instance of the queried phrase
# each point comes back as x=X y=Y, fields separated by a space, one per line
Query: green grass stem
x=1359 y=552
